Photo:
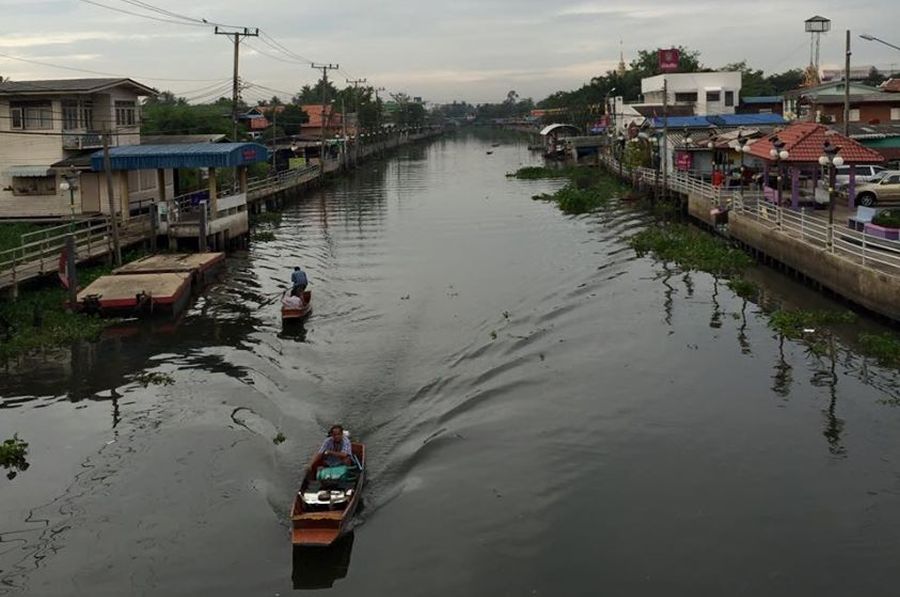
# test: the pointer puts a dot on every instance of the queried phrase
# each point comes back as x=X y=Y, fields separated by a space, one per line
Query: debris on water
x=809 y=330
x=493 y=334
x=506 y=315
x=404 y=298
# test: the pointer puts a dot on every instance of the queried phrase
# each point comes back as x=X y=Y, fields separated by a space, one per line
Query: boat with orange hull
x=289 y=314
x=323 y=509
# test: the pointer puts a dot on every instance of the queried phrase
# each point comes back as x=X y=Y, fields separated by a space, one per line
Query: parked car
x=884 y=191
x=863 y=174
x=843 y=188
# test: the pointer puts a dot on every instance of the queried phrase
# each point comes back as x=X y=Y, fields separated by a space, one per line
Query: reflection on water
x=321 y=567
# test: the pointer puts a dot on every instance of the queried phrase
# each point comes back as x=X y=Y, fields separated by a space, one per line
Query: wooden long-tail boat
x=289 y=314
x=323 y=509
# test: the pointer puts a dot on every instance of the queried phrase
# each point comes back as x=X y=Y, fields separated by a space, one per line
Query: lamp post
x=743 y=148
x=606 y=111
x=621 y=152
x=779 y=154
x=70 y=184
x=832 y=160
x=870 y=37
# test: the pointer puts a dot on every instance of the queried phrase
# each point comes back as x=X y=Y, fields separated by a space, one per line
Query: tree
x=290 y=119
x=875 y=78
x=786 y=81
x=753 y=81
x=313 y=95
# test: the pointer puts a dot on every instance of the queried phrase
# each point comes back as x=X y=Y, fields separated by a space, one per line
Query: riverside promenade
x=854 y=264
x=38 y=253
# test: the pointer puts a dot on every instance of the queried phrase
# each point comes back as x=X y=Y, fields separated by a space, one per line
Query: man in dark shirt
x=299 y=281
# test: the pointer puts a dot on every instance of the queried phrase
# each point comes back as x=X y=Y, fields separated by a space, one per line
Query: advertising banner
x=684 y=160
x=668 y=60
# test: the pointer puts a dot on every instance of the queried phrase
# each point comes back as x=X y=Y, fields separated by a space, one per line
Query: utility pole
x=378 y=119
x=113 y=221
x=274 y=134
x=355 y=83
x=665 y=141
x=235 y=83
x=324 y=68
x=847 y=88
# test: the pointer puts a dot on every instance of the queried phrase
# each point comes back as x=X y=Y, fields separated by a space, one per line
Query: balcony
x=76 y=141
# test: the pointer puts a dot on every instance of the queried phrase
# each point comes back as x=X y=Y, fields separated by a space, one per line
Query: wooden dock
x=136 y=293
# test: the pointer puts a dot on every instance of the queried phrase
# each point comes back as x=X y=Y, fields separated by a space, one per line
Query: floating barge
x=158 y=284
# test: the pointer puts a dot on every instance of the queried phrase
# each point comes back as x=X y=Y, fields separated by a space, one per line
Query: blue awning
x=192 y=155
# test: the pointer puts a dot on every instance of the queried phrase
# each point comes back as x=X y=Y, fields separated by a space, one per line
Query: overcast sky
x=473 y=50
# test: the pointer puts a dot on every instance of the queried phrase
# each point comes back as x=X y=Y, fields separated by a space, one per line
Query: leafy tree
x=753 y=81
x=875 y=78
x=786 y=81
x=313 y=94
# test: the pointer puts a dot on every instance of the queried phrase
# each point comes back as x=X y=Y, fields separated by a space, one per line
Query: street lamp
x=70 y=184
x=870 y=37
x=743 y=148
x=833 y=161
x=779 y=154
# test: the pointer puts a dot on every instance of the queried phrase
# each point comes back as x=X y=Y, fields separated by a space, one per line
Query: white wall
x=699 y=83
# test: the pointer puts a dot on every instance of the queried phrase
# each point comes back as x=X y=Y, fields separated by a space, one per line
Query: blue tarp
x=720 y=120
x=192 y=155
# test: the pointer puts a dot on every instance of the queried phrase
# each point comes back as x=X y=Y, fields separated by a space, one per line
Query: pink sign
x=684 y=160
x=668 y=60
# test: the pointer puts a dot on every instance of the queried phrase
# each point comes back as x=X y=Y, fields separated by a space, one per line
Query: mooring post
x=204 y=226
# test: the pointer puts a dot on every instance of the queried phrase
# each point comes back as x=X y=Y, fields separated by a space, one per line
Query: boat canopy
x=556 y=127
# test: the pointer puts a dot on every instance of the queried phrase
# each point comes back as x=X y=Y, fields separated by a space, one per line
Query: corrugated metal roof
x=28 y=171
x=552 y=127
x=762 y=99
x=193 y=155
x=182 y=139
x=47 y=86
x=720 y=120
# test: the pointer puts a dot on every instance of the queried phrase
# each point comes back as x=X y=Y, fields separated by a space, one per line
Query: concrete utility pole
x=324 y=68
x=665 y=141
x=355 y=83
x=235 y=83
x=847 y=88
x=378 y=122
x=113 y=221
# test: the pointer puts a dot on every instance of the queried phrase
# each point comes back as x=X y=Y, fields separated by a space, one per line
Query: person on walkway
x=336 y=449
x=298 y=281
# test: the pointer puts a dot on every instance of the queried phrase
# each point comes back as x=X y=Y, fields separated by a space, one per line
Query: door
x=90 y=193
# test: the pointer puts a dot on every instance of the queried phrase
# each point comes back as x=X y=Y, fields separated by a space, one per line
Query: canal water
x=545 y=413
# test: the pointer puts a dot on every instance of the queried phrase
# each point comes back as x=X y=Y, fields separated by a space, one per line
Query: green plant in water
x=792 y=323
x=690 y=249
x=743 y=287
x=267 y=217
x=12 y=456
x=279 y=438
x=263 y=236
x=540 y=172
x=154 y=378
x=884 y=347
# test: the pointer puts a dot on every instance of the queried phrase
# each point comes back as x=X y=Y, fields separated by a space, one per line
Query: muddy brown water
x=545 y=414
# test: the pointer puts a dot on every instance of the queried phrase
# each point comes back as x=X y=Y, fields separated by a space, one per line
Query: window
x=895 y=113
x=895 y=179
x=70 y=114
x=125 y=113
x=31 y=115
x=854 y=115
x=686 y=97
x=729 y=98
x=713 y=96
x=34 y=185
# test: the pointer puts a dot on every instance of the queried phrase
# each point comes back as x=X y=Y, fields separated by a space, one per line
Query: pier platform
x=167 y=292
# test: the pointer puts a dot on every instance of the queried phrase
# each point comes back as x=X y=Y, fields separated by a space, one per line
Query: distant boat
x=323 y=509
x=489 y=152
x=495 y=145
x=288 y=314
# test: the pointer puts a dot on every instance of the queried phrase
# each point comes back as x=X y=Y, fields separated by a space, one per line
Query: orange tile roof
x=804 y=141
x=891 y=86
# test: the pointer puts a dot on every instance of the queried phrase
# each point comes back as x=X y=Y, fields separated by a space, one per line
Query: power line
x=95 y=72
x=274 y=42
x=273 y=57
x=135 y=14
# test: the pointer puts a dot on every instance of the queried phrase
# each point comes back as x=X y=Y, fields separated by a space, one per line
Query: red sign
x=249 y=154
x=684 y=160
x=668 y=60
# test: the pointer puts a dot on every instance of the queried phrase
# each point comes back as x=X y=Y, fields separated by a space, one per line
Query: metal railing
x=282 y=180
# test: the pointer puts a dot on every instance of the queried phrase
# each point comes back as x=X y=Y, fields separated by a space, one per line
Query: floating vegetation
x=493 y=334
x=262 y=236
x=884 y=347
x=794 y=323
x=540 y=172
x=743 y=287
x=266 y=217
x=691 y=249
x=279 y=438
x=12 y=456
x=154 y=378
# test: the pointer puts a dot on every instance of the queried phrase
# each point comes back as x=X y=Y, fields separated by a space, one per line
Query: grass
x=12 y=456
x=10 y=234
x=743 y=287
x=691 y=249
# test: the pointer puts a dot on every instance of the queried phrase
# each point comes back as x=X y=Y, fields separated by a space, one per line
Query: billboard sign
x=668 y=60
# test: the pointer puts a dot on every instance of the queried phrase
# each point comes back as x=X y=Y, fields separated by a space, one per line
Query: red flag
x=668 y=60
